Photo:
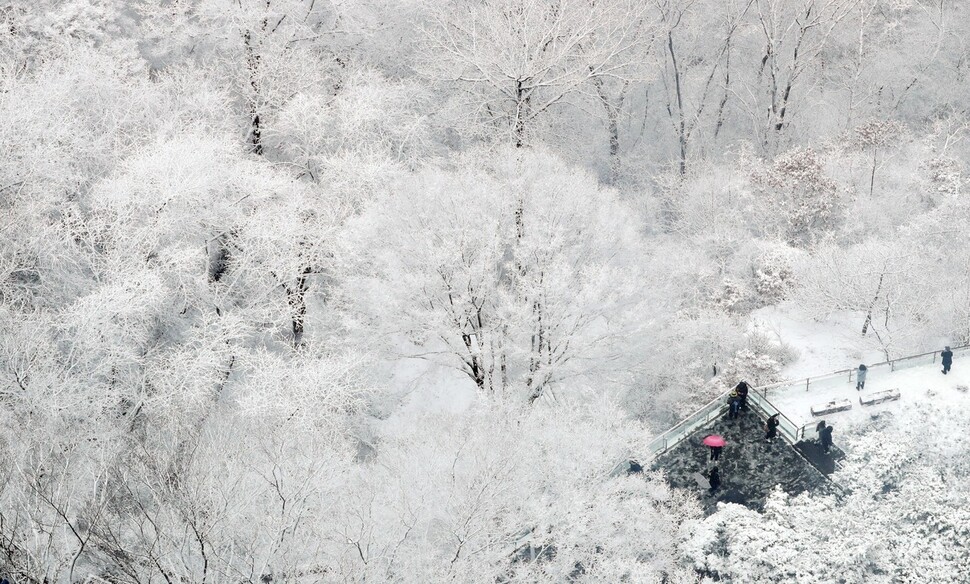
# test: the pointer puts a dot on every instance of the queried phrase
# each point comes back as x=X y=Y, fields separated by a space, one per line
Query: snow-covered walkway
x=915 y=384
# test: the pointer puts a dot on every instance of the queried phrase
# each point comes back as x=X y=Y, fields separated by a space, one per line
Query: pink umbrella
x=715 y=441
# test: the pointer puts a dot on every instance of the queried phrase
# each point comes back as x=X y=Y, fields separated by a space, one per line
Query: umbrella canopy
x=714 y=440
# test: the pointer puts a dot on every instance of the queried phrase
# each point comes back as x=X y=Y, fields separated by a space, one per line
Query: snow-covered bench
x=879 y=396
x=836 y=405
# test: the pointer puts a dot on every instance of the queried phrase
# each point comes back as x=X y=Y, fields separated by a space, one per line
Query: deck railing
x=758 y=398
x=713 y=410
x=788 y=429
x=844 y=376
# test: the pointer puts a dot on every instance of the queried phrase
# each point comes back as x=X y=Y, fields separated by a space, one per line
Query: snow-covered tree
x=516 y=61
x=798 y=197
x=904 y=518
x=506 y=272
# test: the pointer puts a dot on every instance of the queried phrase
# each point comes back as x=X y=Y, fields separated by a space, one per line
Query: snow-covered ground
x=835 y=344
x=915 y=384
x=830 y=345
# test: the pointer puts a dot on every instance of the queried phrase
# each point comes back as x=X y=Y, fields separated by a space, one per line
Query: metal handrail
x=663 y=443
x=892 y=365
x=909 y=357
x=757 y=401
x=697 y=412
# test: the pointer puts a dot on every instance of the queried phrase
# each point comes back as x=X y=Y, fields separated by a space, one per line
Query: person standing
x=826 y=436
x=714 y=477
x=947 y=355
x=716 y=452
x=742 y=391
x=771 y=428
x=734 y=404
x=860 y=378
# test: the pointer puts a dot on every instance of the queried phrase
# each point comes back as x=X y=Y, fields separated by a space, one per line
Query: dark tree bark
x=296 y=297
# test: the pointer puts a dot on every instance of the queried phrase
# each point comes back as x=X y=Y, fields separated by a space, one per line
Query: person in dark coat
x=819 y=428
x=860 y=377
x=826 y=436
x=771 y=428
x=742 y=390
x=716 y=452
x=947 y=355
x=734 y=403
x=715 y=479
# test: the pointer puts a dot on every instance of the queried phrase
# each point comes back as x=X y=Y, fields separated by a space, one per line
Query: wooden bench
x=879 y=397
x=836 y=405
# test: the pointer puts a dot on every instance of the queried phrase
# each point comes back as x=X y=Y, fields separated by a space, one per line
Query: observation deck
x=750 y=467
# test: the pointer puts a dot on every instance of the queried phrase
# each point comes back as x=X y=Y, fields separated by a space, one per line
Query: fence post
x=892 y=366
x=934 y=356
x=806 y=384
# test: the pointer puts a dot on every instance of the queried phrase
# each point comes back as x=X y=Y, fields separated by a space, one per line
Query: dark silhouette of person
x=716 y=452
x=860 y=378
x=947 y=355
x=742 y=391
x=771 y=428
x=819 y=428
x=826 y=436
x=714 y=478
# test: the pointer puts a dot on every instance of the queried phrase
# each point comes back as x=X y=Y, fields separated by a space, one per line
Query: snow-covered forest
x=384 y=290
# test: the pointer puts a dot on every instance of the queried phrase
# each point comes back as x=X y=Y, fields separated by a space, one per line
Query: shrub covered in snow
x=774 y=275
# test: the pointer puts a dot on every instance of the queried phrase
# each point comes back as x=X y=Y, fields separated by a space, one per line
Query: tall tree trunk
x=612 y=108
x=252 y=64
x=297 y=299
x=475 y=362
x=872 y=176
x=681 y=121
x=522 y=99
x=727 y=89
x=536 y=381
x=865 y=325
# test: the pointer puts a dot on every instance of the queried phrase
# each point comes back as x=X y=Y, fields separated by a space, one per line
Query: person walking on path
x=947 y=355
x=742 y=391
x=714 y=477
x=860 y=377
x=826 y=435
x=771 y=428
x=716 y=443
x=734 y=403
